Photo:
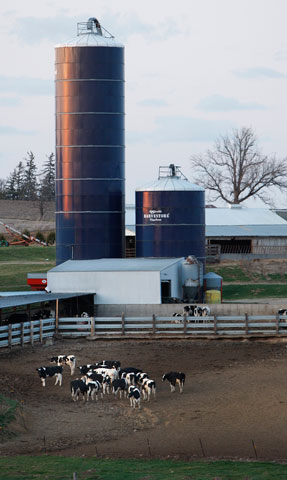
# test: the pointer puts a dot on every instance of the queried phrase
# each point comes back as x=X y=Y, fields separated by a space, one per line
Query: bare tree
x=236 y=170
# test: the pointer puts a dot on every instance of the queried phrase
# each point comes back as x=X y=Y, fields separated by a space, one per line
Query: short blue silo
x=170 y=217
x=90 y=158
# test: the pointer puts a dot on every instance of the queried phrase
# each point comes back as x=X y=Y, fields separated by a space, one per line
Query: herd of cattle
x=198 y=311
x=193 y=311
x=102 y=377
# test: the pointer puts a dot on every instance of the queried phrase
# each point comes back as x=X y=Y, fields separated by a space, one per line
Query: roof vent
x=171 y=171
x=92 y=26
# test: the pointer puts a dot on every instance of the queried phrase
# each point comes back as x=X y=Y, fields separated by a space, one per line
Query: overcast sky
x=194 y=70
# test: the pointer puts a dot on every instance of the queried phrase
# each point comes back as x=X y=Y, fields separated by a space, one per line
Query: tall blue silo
x=90 y=151
x=170 y=217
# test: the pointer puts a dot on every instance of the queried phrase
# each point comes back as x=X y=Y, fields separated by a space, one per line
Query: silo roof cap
x=170 y=184
x=91 y=34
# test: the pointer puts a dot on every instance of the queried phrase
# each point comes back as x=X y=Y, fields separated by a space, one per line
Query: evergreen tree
x=10 y=189
x=30 y=178
x=2 y=188
x=46 y=191
x=19 y=181
x=47 y=183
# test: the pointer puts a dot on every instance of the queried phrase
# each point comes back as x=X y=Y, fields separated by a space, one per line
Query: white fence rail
x=154 y=326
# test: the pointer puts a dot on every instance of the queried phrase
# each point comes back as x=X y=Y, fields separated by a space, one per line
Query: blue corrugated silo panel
x=170 y=218
x=90 y=158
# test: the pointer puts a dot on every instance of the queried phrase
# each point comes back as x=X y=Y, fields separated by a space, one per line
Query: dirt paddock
x=234 y=403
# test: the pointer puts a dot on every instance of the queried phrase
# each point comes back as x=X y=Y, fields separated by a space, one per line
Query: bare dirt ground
x=235 y=393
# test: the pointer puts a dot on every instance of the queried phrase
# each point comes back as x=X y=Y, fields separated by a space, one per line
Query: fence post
x=277 y=324
x=41 y=330
x=246 y=324
x=153 y=324
x=184 y=323
x=31 y=333
x=92 y=326
x=215 y=326
x=123 y=323
x=10 y=335
x=57 y=316
x=22 y=334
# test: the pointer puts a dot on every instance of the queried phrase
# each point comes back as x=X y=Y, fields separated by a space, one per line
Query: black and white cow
x=78 y=387
x=62 y=360
x=134 y=395
x=104 y=380
x=94 y=388
x=204 y=311
x=196 y=311
x=109 y=364
x=110 y=372
x=174 y=378
x=93 y=376
x=90 y=367
x=130 y=378
x=56 y=372
x=124 y=371
x=282 y=311
x=140 y=377
x=120 y=385
x=148 y=387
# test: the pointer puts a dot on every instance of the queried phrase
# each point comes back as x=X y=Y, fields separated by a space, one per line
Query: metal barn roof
x=236 y=221
x=14 y=299
x=115 y=264
x=242 y=216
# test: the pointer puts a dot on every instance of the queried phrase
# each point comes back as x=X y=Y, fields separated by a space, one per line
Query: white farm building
x=119 y=280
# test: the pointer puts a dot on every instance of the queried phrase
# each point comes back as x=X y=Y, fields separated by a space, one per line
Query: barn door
x=165 y=291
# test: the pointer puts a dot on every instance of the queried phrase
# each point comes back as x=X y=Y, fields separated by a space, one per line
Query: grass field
x=62 y=468
x=255 y=290
x=32 y=253
x=235 y=273
x=16 y=262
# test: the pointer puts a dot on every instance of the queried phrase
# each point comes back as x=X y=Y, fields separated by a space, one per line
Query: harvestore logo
x=156 y=215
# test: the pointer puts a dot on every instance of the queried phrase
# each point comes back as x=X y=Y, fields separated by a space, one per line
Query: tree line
x=26 y=183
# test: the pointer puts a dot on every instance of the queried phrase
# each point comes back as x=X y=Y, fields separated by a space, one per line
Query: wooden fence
x=156 y=326
x=26 y=332
x=152 y=327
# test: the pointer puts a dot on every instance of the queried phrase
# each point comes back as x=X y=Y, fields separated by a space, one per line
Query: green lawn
x=252 y=291
x=235 y=273
x=13 y=277
x=16 y=262
x=230 y=273
x=62 y=468
x=32 y=253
